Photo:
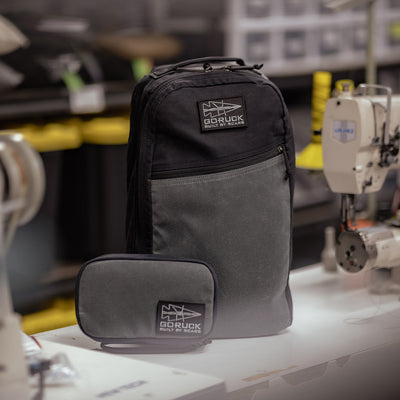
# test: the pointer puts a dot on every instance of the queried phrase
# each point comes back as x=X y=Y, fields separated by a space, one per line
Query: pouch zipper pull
x=282 y=150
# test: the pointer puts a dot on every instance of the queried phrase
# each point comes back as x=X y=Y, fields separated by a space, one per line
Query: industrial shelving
x=292 y=37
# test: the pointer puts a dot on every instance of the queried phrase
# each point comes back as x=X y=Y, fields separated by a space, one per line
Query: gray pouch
x=143 y=303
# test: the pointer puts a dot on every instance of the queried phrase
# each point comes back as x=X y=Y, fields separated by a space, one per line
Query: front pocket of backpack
x=238 y=221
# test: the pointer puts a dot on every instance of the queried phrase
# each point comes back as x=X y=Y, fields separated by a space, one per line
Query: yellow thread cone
x=311 y=156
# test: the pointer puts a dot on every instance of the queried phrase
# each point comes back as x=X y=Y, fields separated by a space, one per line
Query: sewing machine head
x=360 y=140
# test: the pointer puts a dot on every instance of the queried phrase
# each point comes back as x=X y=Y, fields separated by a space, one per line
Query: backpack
x=210 y=174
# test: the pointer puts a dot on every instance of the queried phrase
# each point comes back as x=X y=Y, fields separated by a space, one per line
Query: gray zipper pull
x=282 y=150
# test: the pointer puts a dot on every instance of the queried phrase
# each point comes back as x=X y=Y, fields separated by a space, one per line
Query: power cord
x=39 y=367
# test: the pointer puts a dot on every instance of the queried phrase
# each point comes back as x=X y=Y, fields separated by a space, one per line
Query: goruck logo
x=214 y=109
x=222 y=114
x=183 y=319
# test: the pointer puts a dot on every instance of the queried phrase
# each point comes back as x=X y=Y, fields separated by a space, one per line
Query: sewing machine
x=22 y=182
x=360 y=142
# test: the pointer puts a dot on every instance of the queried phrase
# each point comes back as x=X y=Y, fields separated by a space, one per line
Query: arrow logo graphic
x=173 y=313
x=218 y=108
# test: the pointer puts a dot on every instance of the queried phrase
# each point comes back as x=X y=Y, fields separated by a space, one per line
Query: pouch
x=143 y=303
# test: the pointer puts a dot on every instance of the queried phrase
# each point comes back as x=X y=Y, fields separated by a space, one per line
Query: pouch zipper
x=224 y=166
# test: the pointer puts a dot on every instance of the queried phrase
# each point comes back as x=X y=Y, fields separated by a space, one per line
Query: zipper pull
x=207 y=67
x=282 y=150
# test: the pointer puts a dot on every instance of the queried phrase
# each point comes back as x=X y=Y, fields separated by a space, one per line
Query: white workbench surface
x=335 y=316
x=99 y=375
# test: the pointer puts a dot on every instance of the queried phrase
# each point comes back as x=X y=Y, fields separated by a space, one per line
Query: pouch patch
x=222 y=114
x=180 y=319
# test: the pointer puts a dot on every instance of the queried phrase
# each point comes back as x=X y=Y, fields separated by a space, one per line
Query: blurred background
x=67 y=88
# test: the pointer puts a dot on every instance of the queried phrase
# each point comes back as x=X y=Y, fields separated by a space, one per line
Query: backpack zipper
x=282 y=150
x=224 y=166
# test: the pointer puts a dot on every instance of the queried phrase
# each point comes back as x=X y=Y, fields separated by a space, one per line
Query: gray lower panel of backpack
x=240 y=223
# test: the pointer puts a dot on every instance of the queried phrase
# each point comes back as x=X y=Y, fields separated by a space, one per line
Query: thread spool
x=322 y=81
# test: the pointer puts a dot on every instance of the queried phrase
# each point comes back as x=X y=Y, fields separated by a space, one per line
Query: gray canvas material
x=117 y=299
x=238 y=222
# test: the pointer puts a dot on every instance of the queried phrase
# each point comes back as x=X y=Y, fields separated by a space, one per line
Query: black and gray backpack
x=210 y=177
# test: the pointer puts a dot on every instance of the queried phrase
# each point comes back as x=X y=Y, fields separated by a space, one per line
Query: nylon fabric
x=178 y=142
x=118 y=298
x=238 y=222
